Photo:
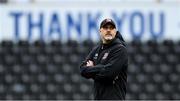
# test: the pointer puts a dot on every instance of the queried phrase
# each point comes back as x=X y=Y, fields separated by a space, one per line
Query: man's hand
x=89 y=63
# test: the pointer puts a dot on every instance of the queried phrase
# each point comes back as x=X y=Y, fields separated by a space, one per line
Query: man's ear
x=100 y=30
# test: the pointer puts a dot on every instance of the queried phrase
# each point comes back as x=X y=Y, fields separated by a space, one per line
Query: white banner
x=81 y=21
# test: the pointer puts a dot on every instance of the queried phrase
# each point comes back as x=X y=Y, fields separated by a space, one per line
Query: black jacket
x=110 y=70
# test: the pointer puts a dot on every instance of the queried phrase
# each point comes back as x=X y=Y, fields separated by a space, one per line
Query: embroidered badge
x=105 y=55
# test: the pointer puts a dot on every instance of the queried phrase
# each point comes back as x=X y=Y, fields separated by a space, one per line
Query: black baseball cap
x=107 y=21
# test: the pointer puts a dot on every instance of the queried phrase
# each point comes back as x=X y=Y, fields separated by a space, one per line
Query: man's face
x=107 y=33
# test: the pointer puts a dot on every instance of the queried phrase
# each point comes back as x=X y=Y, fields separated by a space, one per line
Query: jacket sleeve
x=117 y=61
x=83 y=66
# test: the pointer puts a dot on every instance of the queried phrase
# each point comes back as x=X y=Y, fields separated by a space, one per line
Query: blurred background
x=42 y=43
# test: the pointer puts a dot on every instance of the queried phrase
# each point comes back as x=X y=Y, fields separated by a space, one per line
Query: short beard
x=107 y=40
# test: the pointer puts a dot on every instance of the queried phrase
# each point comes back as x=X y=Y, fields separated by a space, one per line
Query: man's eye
x=110 y=27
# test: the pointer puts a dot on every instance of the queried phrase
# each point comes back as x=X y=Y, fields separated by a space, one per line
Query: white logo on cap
x=109 y=20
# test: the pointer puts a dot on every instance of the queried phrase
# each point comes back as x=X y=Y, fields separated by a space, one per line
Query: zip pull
x=115 y=79
x=114 y=82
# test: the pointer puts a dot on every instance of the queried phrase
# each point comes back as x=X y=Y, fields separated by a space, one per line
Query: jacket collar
x=112 y=43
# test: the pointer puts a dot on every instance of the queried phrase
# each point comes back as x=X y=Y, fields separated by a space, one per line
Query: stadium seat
x=50 y=71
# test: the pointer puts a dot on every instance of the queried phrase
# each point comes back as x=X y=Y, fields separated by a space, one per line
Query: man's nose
x=108 y=29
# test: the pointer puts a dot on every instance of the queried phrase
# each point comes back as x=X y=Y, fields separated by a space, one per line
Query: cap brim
x=108 y=23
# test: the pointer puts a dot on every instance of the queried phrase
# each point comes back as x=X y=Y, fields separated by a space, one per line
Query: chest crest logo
x=105 y=55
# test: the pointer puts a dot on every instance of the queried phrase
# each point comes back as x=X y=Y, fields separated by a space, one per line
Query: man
x=107 y=64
